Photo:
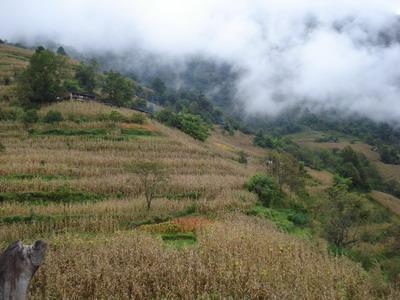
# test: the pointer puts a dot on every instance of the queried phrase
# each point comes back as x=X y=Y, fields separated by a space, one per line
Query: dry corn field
x=70 y=184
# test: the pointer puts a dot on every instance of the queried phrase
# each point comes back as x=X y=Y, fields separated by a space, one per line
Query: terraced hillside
x=88 y=162
x=71 y=183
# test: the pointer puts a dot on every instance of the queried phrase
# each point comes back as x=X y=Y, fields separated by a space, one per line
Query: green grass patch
x=112 y=134
x=45 y=177
x=286 y=219
x=138 y=132
x=60 y=196
x=69 y=131
x=180 y=239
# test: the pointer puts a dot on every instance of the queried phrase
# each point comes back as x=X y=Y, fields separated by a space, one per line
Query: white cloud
x=323 y=54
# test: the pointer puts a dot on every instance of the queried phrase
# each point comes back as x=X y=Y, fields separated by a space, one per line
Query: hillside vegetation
x=136 y=205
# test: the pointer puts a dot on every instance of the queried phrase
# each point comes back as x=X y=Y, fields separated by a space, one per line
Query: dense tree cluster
x=43 y=80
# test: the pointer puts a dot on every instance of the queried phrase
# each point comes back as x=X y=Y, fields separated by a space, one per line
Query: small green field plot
x=179 y=240
x=106 y=133
x=39 y=197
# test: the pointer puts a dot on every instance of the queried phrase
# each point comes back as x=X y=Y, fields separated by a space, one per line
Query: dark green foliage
x=53 y=116
x=192 y=125
x=85 y=75
x=61 y=51
x=266 y=188
x=138 y=132
x=179 y=239
x=72 y=85
x=7 y=80
x=105 y=133
x=10 y=113
x=116 y=88
x=345 y=211
x=389 y=154
x=60 y=196
x=2 y=147
x=299 y=218
x=266 y=141
x=30 y=116
x=24 y=176
x=243 y=157
x=286 y=219
x=158 y=86
x=42 y=81
x=351 y=167
x=69 y=131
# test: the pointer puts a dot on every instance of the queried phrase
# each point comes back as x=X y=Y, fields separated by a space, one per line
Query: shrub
x=266 y=188
x=242 y=157
x=137 y=118
x=30 y=116
x=116 y=116
x=53 y=116
x=192 y=125
x=2 y=147
x=10 y=113
x=299 y=218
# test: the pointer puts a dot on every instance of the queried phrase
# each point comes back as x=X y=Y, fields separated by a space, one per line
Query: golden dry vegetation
x=388 y=201
x=71 y=185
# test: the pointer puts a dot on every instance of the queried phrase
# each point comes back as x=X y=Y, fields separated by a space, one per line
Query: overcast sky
x=319 y=53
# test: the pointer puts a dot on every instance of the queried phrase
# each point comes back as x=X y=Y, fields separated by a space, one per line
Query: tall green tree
x=43 y=80
x=85 y=74
x=117 y=88
x=345 y=212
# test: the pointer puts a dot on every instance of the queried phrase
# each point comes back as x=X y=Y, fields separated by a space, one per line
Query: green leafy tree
x=345 y=212
x=117 y=88
x=85 y=74
x=266 y=188
x=192 y=125
x=43 y=80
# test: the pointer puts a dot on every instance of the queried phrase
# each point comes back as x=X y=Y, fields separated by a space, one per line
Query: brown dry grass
x=387 y=201
x=238 y=258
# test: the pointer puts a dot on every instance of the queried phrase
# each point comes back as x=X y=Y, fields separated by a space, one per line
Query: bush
x=266 y=188
x=53 y=116
x=192 y=125
x=137 y=118
x=2 y=147
x=116 y=116
x=10 y=113
x=242 y=157
x=30 y=116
